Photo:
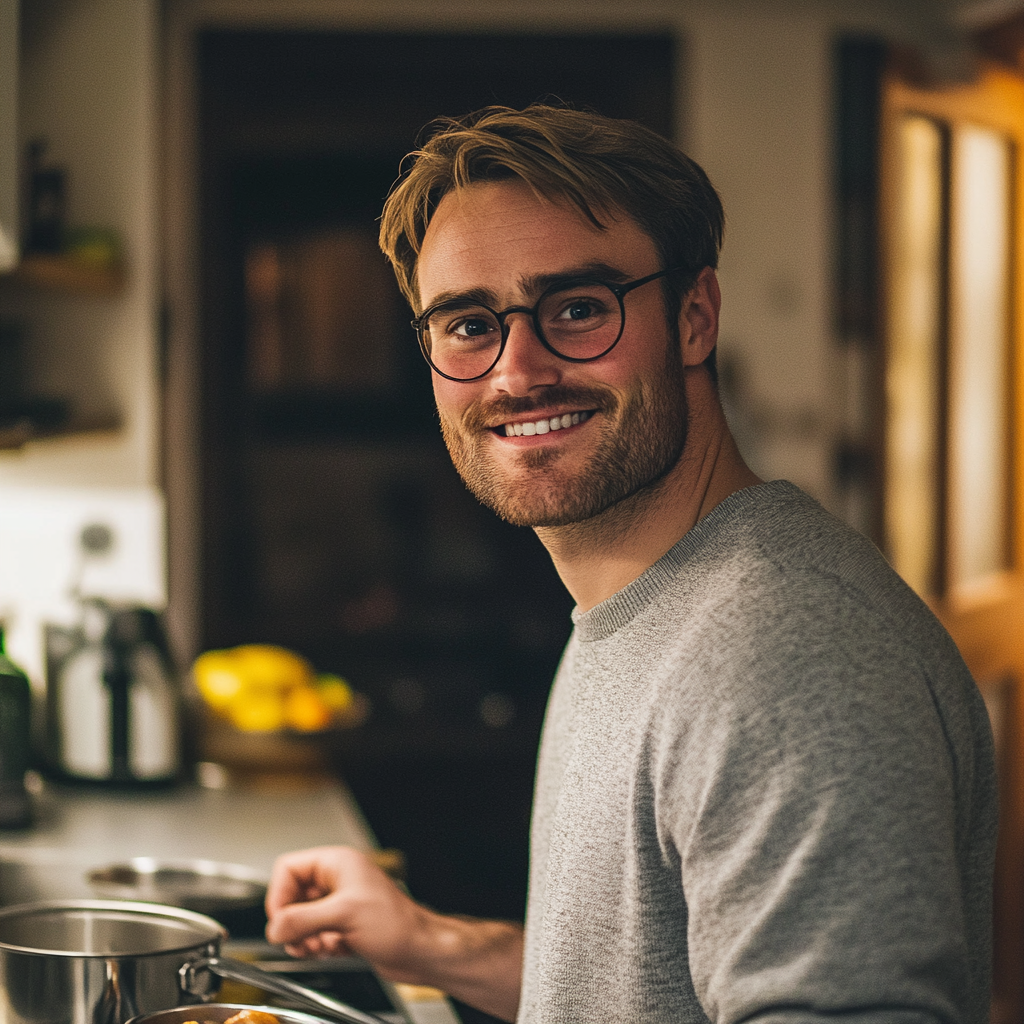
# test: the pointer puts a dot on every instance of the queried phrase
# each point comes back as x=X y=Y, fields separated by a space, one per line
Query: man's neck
x=597 y=558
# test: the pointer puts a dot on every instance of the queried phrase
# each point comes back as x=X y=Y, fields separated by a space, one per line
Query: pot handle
x=193 y=982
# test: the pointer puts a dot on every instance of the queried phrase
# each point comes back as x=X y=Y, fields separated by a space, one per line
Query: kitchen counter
x=241 y=826
x=77 y=829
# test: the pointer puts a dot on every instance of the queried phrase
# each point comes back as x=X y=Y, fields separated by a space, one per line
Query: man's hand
x=333 y=900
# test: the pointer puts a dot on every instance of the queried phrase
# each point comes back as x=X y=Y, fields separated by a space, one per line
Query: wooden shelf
x=58 y=273
x=19 y=434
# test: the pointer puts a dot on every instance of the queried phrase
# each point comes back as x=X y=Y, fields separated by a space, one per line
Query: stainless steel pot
x=97 y=961
x=108 y=961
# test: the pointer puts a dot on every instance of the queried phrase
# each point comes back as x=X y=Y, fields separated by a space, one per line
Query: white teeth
x=543 y=426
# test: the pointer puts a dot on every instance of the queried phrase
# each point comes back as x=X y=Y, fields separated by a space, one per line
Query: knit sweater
x=766 y=792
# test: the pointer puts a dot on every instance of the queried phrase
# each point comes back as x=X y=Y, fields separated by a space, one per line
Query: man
x=765 y=787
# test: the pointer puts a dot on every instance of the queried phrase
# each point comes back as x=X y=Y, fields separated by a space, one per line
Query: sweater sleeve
x=812 y=809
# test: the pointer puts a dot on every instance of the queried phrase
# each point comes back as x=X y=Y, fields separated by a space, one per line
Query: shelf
x=21 y=433
x=58 y=273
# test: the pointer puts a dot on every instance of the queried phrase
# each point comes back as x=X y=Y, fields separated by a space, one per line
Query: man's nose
x=525 y=363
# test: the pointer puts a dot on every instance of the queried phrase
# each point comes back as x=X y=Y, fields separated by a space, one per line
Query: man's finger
x=297 y=921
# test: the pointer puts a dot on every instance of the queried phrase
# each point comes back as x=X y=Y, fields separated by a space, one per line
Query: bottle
x=15 y=712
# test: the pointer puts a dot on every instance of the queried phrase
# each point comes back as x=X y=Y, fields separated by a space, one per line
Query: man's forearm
x=479 y=962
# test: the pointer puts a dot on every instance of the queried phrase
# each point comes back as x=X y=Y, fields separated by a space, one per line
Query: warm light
x=912 y=374
x=979 y=334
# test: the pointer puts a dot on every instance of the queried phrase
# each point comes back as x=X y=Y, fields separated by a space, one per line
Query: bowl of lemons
x=257 y=693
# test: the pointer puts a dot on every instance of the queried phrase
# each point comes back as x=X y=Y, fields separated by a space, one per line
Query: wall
x=761 y=94
x=8 y=133
x=89 y=85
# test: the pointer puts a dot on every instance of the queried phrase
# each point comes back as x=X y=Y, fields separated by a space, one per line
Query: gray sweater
x=765 y=792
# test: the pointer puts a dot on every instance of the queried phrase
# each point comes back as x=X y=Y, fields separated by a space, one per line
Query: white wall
x=89 y=85
x=761 y=106
x=8 y=133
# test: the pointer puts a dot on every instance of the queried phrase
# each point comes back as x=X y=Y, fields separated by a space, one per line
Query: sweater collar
x=624 y=605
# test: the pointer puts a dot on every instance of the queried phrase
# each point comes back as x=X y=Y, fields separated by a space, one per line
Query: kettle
x=113 y=701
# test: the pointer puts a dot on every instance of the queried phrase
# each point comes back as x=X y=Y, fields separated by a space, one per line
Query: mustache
x=482 y=415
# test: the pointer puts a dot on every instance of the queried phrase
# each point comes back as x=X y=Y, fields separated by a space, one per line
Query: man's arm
x=334 y=900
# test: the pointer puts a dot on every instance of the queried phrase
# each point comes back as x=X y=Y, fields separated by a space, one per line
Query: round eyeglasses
x=578 y=320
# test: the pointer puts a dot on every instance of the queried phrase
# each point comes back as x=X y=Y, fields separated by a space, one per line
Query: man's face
x=621 y=420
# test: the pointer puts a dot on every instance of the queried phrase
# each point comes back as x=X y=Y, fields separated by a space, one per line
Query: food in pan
x=245 y=1017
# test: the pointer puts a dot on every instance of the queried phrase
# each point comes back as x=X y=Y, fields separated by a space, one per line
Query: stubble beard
x=643 y=435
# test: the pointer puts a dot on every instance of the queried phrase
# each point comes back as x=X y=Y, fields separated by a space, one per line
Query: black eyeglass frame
x=618 y=290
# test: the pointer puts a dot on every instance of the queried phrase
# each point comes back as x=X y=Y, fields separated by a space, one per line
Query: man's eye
x=471 y=327
x=576 y=310
x=579 y=310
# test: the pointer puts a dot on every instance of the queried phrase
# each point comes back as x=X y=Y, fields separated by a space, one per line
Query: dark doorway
x=334 y=523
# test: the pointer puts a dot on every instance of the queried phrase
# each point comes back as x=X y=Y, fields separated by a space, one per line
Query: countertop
x=77 y=829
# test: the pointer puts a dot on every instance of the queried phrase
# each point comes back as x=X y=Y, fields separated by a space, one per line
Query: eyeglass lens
x=580 y=321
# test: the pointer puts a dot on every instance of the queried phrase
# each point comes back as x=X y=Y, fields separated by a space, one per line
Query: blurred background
x=202 y=349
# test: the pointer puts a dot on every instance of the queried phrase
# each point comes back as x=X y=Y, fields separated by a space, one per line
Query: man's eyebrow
x=534 y=284
x=470 y=297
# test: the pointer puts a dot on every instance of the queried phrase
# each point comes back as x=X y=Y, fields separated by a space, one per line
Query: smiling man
x=765 y=789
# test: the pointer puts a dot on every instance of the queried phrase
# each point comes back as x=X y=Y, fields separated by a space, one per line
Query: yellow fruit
x=306 y=711
x=334 y=692
x=217 y=679
x=266 y=667
x=261 y=712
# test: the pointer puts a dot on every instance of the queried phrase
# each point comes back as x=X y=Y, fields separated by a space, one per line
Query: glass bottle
x=15 y=711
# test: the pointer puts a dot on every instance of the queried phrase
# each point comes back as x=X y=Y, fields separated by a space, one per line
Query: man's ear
x=698 y=318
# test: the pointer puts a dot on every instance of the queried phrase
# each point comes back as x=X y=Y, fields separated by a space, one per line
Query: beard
x=642 y=437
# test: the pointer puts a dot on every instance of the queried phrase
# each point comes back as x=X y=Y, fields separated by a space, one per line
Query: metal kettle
x=113 y=700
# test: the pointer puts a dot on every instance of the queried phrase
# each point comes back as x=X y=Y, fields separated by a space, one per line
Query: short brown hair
x=593 y=162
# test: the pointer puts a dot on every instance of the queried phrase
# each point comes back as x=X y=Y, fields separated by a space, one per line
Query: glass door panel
x=913 y=371
x=979 y=386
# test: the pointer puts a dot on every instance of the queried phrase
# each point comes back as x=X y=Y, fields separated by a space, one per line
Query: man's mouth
x=543 y=426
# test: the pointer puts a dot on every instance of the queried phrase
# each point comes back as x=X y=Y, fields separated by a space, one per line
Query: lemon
x=263 y=688
x=267 y=667
x=261 y=712
x=334 y=692
x=217 y=679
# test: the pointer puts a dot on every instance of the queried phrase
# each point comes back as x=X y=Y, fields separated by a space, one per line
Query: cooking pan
x=231 y=893
x=219 y=1012
x=108 y=961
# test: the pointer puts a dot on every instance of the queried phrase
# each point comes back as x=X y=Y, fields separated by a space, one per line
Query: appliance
x=113 y=702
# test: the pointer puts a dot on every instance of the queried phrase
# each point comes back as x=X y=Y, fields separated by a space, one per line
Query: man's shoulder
x=771 y=578
x=774 y=539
